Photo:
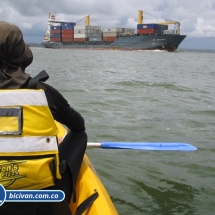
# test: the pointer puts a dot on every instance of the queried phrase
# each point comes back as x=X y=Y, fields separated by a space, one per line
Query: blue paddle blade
x=148 y=146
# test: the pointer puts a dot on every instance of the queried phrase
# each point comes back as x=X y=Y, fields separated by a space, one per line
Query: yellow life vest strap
x=36 y=145
x=23 y=97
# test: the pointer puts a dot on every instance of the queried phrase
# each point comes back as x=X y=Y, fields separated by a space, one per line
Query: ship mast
x=140 y=17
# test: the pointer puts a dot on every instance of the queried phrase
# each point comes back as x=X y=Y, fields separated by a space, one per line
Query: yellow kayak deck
x=88 y=183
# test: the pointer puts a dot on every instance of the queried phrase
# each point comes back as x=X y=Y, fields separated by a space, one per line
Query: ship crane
x=177 y=24
x=87 y=20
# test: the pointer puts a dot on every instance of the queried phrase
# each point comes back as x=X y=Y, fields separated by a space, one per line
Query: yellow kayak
x=87 y=184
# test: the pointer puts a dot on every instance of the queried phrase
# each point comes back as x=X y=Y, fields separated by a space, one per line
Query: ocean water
x=144 y=96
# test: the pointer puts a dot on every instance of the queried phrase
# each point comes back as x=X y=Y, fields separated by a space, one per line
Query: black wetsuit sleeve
x=61 y=110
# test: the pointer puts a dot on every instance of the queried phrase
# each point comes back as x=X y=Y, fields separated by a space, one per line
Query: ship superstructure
x=52 y=21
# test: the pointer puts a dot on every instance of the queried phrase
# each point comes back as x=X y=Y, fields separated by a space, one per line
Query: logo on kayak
x=9 y=172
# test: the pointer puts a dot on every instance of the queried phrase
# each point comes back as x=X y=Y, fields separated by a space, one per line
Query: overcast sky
x=197 y=17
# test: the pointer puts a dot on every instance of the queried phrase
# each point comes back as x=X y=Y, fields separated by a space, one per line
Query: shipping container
x=81 y=27
x=80 y=35
x=67 y=31
x=95 y=39
x=147 y=31
x=82 y=31
x=67 y=28
x=109 y=39
x=128 y=31
x=147 y=26
x=127 y=34
x=67 y=36
x=95 y=34
x=169 y=32
x=55 y=31
x=69 y=24
x=131 y=31
x=106 y=30
x=80 y=39
x=55 y=39
x=65 y=40
x=55 y=35
x=55 y=28
x=95 y=29
x=111 y=34
x=163 y=27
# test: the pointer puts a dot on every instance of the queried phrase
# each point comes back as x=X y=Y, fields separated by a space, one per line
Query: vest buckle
x=62 y=166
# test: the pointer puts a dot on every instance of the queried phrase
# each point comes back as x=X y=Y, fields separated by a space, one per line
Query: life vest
x=29 y=157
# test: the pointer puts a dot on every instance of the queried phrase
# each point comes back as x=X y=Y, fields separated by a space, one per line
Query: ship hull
x=147 y=42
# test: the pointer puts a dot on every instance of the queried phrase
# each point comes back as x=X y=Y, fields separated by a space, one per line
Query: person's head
x=15 y=56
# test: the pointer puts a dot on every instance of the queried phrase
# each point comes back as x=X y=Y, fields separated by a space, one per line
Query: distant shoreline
x=180 y=50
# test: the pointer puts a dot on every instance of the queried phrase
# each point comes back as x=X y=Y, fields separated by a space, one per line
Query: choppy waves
x=144 y=96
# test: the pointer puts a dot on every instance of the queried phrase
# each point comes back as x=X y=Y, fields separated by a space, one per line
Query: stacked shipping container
x=95 y=37
x=84 y=33
x=127 y=32
x=81 y=33
x=146 y=29
x=63 y=32
x=68 y=33
x=55 y=34
x=111 y=34
x=95 y=34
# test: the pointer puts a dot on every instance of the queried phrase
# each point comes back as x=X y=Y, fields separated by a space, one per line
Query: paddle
x=143 y=146
x=131 y=145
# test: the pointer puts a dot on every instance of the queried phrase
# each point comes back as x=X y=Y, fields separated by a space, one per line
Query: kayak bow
x=87 y=184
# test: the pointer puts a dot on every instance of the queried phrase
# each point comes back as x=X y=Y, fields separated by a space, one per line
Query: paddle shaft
x=131 y=145
x=144 y=146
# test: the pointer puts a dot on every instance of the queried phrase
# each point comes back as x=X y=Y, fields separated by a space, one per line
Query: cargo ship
x=151 y=36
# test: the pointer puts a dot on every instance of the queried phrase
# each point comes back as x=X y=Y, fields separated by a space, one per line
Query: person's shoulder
x=49 y=89
x=45 y=86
